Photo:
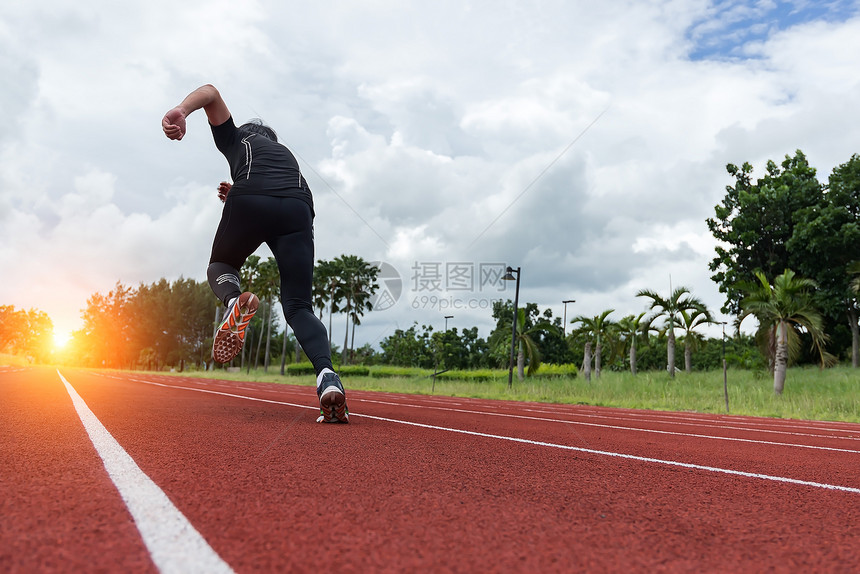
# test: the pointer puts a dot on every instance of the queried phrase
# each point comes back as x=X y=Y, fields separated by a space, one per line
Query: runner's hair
x=257 y=126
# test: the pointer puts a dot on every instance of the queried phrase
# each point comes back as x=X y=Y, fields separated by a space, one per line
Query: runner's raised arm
x=206 y=97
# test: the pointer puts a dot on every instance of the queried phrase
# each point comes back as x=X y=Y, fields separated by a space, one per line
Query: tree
x=248 y=275
x=474 y=351
x=630 y=329
x=408 y=348
x=554 y=348
x=105 y=339
x=324 y=285
x=524 y=341
x=268 y=288
x=356 y=284
x=756 y=221
x=500 y=337
x=596 y=328
x=690 y=320
x=825 y=242
x=190 y=325
x=149 y=330
x=783 y=310
x=853 y=271
x=173 y=321
x=9 y=318
x=287 y=341
x=669 y=310
x=26 y=333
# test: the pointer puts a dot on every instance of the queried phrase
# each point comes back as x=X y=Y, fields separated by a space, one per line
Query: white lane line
x=429 y=405
x=678 y=421
x=743 y=425
x=768 y=477
x=761 y=425
x=618 y=427
x=223 y=394
x=626 y=456
x=173 y=543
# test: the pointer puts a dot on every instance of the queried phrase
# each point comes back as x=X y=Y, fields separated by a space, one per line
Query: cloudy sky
x=584 y=142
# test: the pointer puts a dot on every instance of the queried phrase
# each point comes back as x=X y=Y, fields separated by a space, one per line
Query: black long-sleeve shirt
x=260 y=166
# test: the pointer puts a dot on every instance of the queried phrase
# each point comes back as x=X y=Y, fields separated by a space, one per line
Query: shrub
x=385 y=371
x=300 y=369
x=550 y=371
x=355 y=370
x=304 y=369
x=473 y=375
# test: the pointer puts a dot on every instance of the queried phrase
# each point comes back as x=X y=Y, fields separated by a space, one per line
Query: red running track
x=414 y=483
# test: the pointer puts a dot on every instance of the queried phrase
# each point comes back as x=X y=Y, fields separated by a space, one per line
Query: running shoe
x=230 y=336
x=332 y=400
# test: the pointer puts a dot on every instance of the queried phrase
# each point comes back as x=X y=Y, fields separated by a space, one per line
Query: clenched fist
x=173 y=124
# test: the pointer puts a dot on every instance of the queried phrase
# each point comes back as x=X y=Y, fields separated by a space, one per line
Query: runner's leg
x=294 y=252
x=237 y=237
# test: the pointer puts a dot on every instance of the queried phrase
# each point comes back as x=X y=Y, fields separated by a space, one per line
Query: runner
x=268 y=202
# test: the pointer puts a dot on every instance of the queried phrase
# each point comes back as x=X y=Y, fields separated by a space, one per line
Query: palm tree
x=269 y=285
x=669 y=308
x=284 y=348
x=324 y=285
x=854 y=270
x=597 y=328
x=783 y=310
x=356 y=283
x=690 y=320
x=630 y=328
x=525 y=342
x=250 y=272
x=366 y=287
x=248 y=276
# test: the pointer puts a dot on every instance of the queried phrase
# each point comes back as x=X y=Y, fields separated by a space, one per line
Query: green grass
x=810 y=394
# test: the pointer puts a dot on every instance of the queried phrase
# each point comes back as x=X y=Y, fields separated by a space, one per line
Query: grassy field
x=811 y=394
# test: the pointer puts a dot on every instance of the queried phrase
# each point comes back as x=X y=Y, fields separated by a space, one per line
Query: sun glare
x=60 y=340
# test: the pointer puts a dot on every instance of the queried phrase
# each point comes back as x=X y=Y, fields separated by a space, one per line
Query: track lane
x=249 y=475
x=173 y=543
x=59 y=511
x=763 y=451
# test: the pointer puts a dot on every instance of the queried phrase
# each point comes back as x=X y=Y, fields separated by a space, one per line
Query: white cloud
x=428 y=132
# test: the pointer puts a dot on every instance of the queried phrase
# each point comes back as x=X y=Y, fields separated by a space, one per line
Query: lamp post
x=509 y=276
x=564 y=323
x=436 y=358
x=445 y=336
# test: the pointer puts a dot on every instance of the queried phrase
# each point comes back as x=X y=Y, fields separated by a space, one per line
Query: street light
x=435 y=357
x=509 y=276
x=564 y=323
x=446 y=335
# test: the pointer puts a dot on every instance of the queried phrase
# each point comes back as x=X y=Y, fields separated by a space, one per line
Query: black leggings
x=286 y=225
